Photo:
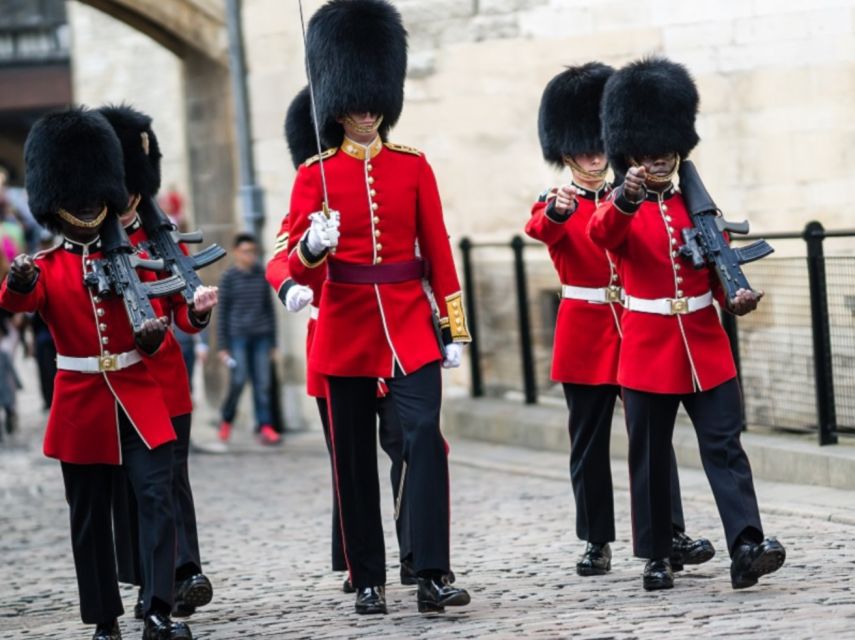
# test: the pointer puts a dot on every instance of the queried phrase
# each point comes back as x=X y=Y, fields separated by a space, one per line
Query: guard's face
x=661 y=165
x=82 y=234
x=591 y=162
x=130 y=213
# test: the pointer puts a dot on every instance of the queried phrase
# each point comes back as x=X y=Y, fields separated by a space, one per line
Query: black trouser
x=88 y=488
x=590 y=425
x=416 y=399
x=392 y=442
x=125 y=519
x=45 y=353
x=716 y=416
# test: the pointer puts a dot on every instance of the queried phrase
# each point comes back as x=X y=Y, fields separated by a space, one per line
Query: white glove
x=323 y=232
x=298 y=297
x=453 y=353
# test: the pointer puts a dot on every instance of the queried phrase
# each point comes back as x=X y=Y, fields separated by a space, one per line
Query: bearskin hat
x=568 y=121
x=649 y=108
x=357 y=52
x=299 y=130
x=73 y=160
x=139 y=148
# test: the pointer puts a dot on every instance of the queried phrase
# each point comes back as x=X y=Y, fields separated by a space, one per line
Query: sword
x=326 y=202
x=400 y=495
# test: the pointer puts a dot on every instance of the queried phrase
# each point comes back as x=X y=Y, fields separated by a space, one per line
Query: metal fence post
x=814 y=234
x=728 y=321
x=474 y=350
x=529 y=383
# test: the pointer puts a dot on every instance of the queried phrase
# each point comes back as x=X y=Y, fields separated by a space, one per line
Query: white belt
x=314 y=312
x=669 y=306
x=98 y=364
x=592 y=294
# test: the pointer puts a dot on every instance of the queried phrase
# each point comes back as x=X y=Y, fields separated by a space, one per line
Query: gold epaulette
x=403 y=148
x=322 y=156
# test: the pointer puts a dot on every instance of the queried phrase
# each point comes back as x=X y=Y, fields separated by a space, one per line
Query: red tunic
x=388 y=200
x=587 y=334
x=663 y=354
x=83 y=426
x=167 y=364
x=279 y=276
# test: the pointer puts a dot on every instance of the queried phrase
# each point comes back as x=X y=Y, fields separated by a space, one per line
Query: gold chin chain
x=654 y=179
x=83 y=224
x=584 y=173
x=361 y=128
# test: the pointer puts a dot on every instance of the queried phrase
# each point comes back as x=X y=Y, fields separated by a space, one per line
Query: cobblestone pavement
x=264 y=521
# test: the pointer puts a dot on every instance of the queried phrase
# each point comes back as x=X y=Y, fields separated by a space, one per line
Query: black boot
x=658 y=575
x=754 y=559
x=408 y=573
x=108 y=631
x=192 y=592
x=138 y=607
x=596 y=560
x=435 y=594
x=684 y=550
x=371 y=600
x=347 y=586
x=159 y=627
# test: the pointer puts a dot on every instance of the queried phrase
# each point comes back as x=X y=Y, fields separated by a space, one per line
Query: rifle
x=162 y=243
x=116 y=273
x=705 y=241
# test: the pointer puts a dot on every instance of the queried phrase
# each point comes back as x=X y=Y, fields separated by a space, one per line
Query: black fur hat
x=141 y=152
x=299 y=131
x=73 y=160
x=357 y=51
x=649 y=108
x=568 y=122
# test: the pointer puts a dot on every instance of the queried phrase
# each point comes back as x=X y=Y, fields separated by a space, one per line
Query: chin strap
x=577 y=169
x=73 y=220
x=364 y=129
x=660 y=179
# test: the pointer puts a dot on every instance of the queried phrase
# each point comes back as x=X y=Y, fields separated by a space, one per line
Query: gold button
x=373 y=193
x=378 y=246
x=375 y=206
x=105 y=340
x=378 y=260
x=459 y=323
x=96 y=299
x=673 y=240
x=102 y=327
x=614 y=277
x=376 y=233
x=670 y=229
x=677 y=266
x=369 y=167
x=667 y=218
x=100 y=312
x=376 y=220
x=106 y=352
x=673 y=254
x=664 y=207
x=370 y=179
x=679 y=279
x=679 y=293
x=351 y=148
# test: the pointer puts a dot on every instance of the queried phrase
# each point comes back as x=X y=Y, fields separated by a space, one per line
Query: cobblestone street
x=264 y=520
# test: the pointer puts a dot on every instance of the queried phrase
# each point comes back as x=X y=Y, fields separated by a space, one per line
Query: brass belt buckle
x=108 y=363
x=613 y=293
x=679 y=306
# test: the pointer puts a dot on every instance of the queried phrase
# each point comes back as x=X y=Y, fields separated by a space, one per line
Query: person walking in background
x=246 y=336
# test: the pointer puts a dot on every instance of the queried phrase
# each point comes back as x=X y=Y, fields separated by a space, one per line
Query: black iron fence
x=795 y=354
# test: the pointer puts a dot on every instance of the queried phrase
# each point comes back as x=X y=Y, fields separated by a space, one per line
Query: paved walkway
x=264 y=519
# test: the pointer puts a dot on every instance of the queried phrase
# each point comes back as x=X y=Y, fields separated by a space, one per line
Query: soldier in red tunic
x=302 y=144
x=587 y=330
x=108 y=409
x=142 y=155
x=375 y=318
x=674 y=349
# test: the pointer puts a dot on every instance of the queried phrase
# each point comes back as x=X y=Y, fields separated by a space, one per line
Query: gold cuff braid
x=457 y=318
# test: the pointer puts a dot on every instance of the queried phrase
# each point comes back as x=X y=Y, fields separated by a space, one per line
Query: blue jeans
x=252 y=355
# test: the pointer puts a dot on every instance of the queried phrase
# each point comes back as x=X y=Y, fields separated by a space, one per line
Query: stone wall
x=112 y=63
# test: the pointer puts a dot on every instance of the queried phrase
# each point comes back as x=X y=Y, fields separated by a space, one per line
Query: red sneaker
x=268 y=435
x=225 y=430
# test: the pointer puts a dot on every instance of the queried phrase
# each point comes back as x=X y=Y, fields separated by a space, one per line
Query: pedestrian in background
x=246 y=336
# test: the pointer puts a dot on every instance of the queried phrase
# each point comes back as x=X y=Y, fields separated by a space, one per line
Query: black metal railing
x=795 y=355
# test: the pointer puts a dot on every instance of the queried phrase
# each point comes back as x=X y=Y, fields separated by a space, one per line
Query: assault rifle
x=115 y=273
x=163 y=241
x=705 y=241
